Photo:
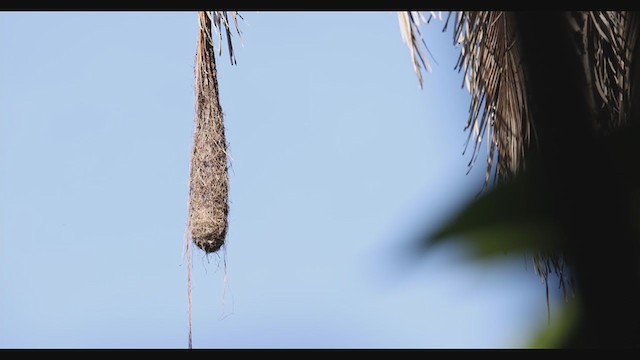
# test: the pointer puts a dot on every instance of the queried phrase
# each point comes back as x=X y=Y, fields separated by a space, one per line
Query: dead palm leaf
x=500 y=107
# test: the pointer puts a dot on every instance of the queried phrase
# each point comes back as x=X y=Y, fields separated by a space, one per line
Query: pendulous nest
x=209 y=181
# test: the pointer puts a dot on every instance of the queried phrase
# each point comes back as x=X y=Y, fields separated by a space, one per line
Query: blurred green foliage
x=516 y=217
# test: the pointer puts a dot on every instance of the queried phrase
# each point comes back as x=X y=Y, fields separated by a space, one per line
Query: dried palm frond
x=606 y=41
x=220 y=19
x=493 y=74
x=410 y=30
x=490 y=58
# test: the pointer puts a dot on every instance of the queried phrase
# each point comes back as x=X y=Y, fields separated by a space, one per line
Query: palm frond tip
x=222 y=22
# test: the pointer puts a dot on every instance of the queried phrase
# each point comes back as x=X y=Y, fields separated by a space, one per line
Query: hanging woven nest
x=209 y=181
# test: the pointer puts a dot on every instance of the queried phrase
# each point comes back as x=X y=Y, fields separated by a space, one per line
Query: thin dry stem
x=188 y=255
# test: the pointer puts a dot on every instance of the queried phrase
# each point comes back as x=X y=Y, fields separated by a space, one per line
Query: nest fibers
x=209 y=181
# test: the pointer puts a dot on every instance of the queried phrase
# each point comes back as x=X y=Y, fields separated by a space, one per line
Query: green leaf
x=557 y=332
x=509 y=217
x=497 y=240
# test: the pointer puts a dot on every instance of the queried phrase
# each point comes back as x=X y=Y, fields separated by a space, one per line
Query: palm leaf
x=220 y=20
x=499 y=109
x=491 y=59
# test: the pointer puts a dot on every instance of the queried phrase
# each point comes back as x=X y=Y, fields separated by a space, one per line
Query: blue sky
x=339 y=161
